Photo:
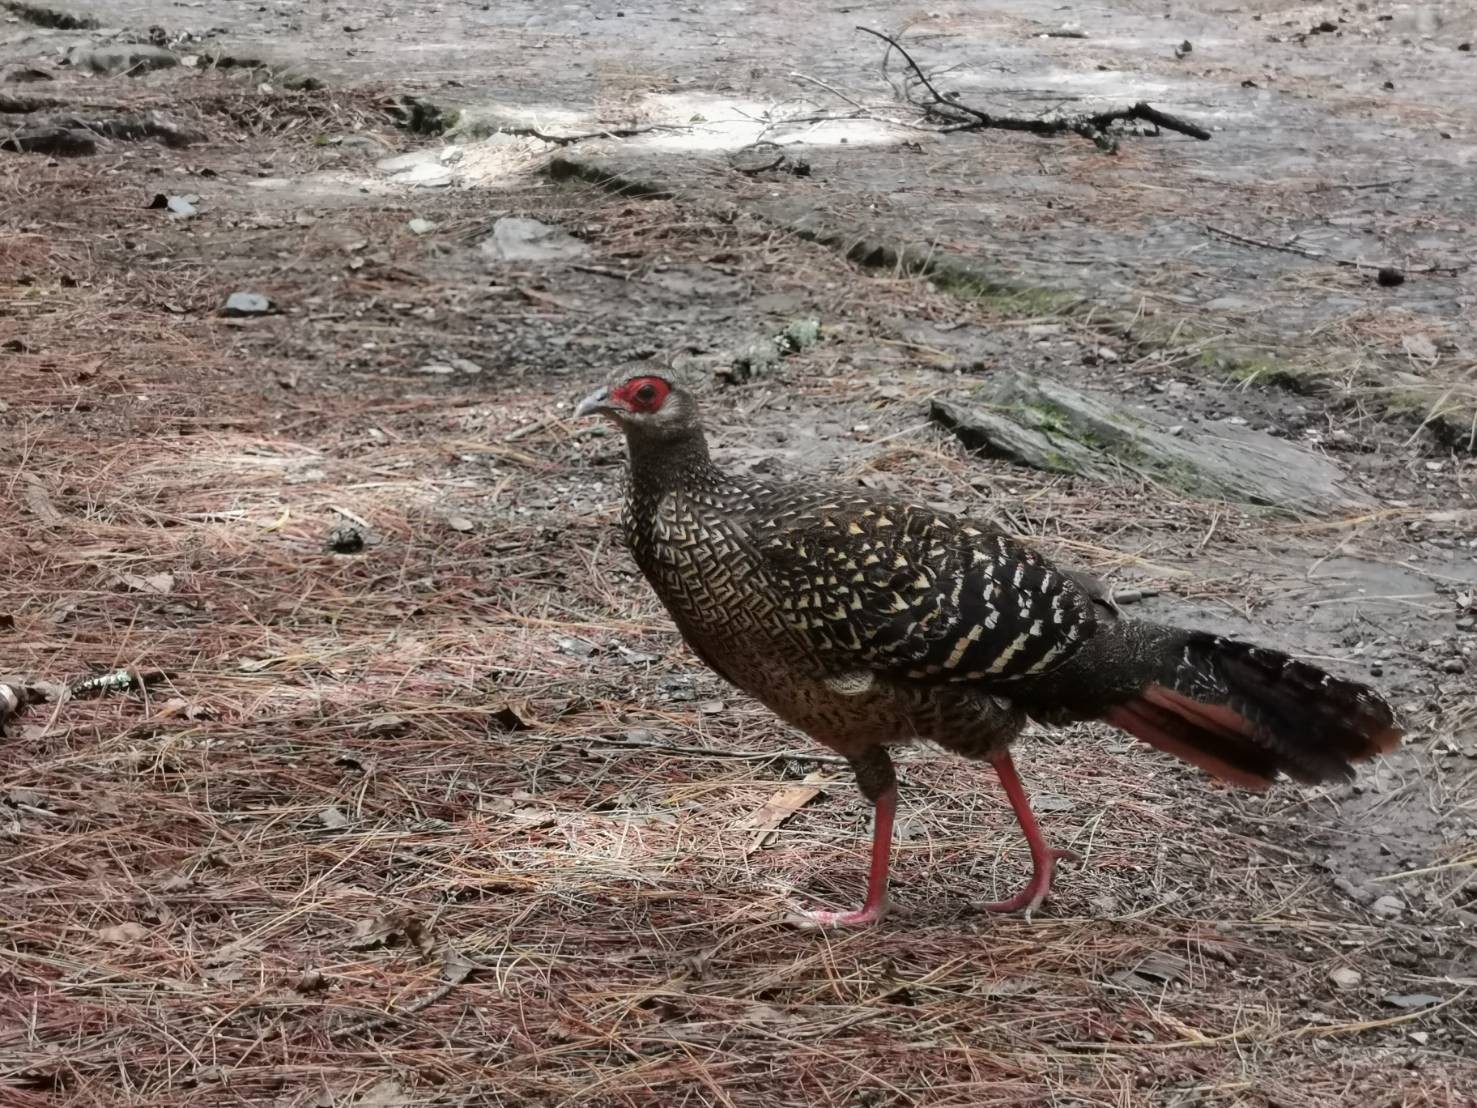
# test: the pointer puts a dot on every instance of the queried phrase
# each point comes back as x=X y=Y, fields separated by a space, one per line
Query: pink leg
x=1043 y=858
x=876 y=906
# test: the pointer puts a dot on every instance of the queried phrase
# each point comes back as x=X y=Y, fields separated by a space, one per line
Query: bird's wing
x=917 y=594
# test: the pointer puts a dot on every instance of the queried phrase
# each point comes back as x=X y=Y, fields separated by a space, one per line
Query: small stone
x=311 y=980
x=246 y=304
x=346 y=539
x=180 y=207
x=1345 y=977
x=421 y=226
x=517 y=239
x=459 y=523
x=1387 y=907
x=1388 y=277
x=1107 y=354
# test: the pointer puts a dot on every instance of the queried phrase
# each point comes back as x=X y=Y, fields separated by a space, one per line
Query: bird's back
x=856 y=616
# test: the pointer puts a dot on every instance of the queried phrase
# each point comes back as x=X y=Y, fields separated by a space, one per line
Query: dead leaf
x=1158 y=968
x=1411 y=1000
x=1012 y=986
x=1052 y=802
x=30 y=798
x=386 y=1094
x=333 y=818
x=784 y=804
x=158 y=584
x=391 y=930
x=39 y=503
x=384 y=726
x=178 y=706
x=507 y=718
x=456 y=967
x=123 y=934
x=1420 y=348
x=236 y=948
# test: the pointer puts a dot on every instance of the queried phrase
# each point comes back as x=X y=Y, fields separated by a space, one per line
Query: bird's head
x=644 y=406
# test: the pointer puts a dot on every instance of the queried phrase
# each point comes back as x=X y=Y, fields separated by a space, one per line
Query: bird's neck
x=678 y=461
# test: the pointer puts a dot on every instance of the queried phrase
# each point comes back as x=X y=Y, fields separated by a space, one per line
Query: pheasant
x=868 y=621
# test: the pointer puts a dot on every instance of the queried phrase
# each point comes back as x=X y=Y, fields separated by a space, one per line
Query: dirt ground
x=455 y=819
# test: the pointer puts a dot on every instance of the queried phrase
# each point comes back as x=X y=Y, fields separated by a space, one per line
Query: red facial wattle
x=642 y=394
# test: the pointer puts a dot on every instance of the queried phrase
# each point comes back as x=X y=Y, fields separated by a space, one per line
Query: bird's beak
x=597 y=403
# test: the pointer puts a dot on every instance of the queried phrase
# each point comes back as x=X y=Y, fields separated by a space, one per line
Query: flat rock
x=62 y=142
x=1047 y=425
x=24 y=74
x=419 y=169
x=518 y=239
x=244 y=304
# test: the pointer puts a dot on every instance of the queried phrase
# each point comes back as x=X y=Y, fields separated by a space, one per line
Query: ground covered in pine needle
x=453 y=818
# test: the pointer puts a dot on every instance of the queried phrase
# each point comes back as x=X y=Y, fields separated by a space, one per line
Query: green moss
x=999 y=298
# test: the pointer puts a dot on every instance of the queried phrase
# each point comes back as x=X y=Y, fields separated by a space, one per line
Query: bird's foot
x=1030 y=898
x=822 y=920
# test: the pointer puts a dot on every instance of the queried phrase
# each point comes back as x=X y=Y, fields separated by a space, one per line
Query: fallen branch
x=72 y=135
x=951 y=115
x=62 y=142
x=133 y=128
x=454 y=967
x=1323 y=256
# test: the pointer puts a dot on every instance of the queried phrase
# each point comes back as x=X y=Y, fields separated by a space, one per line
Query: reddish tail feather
x=1245 y=714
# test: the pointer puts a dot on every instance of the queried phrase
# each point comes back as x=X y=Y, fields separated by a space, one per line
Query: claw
x=1043 y=857
x=822 y=920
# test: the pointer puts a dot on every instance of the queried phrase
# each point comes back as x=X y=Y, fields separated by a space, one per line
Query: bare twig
x=1323 y=256
x=954 y=115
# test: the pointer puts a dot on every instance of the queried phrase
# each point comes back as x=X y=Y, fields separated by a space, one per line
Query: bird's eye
x=646 y=393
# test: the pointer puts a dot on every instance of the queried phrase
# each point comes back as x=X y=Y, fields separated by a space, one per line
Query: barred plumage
x=867 y=621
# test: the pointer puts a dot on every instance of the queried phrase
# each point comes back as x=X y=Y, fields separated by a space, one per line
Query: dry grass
x=380 y=832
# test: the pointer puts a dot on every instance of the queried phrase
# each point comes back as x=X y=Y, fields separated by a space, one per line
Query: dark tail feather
x=1245 y=713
